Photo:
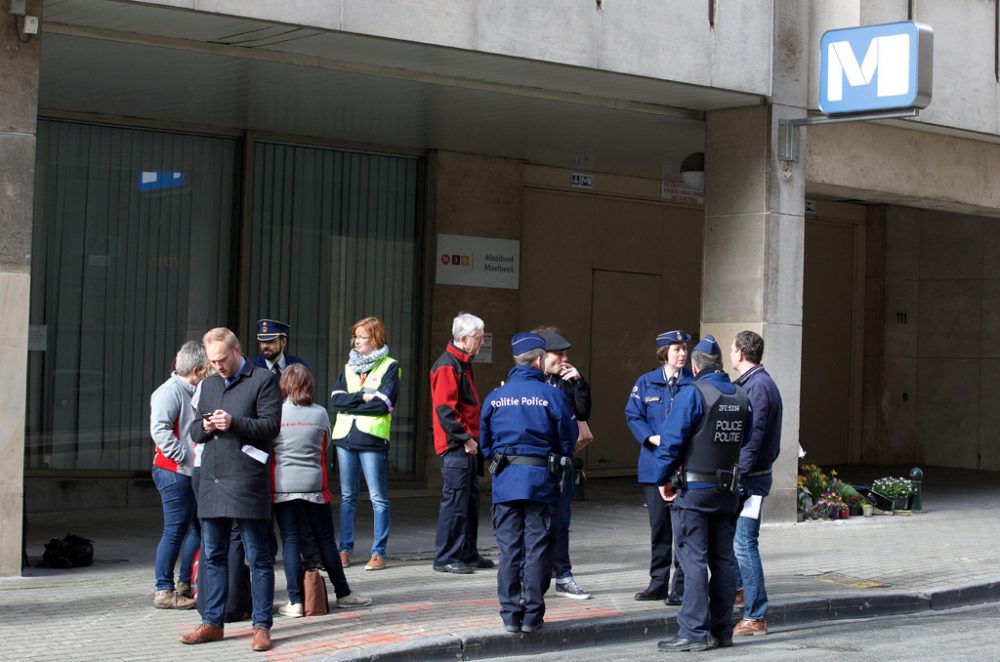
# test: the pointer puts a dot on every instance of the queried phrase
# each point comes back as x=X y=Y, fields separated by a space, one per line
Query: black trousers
x=522 y=531
x=661 y=538
x=706 y=524
x=457 y=536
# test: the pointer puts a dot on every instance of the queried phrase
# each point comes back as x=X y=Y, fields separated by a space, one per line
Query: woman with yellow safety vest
x=363 y=398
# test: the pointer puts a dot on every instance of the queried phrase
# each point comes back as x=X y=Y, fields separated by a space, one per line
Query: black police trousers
x=522 y=532
x=457 y=536
x=705 y=526
x=661 y=540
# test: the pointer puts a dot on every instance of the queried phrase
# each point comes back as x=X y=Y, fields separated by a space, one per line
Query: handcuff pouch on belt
x=497 y=463
x=725 y=480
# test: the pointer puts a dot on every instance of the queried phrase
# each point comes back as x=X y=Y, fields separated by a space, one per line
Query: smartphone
x=207 y=416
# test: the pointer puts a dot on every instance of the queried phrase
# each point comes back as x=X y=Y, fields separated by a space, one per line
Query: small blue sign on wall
x=876 y=67
x=152 y=180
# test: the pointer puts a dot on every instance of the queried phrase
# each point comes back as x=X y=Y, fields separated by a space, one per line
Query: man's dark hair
x=751 y=344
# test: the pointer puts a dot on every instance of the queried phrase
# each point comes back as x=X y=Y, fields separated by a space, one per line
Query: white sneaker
x=570 y=589
x=292 y=610
x=353 y=600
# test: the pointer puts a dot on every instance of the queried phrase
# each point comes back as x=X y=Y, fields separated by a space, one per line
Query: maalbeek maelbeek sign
x=876 y=67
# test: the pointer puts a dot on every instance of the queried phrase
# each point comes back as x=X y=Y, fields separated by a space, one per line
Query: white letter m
x=889 y=56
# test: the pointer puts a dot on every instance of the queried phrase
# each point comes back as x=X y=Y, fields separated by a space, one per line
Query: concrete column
x=18 y=116
x=753 y=265
x=755 y=235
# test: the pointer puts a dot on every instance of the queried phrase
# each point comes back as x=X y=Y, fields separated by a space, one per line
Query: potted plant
x=830 y=505
x=804 y=501
x=891 y=493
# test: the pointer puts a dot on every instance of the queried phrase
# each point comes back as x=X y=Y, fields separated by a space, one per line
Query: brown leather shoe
x=377 y=562
x=739 y=602
x=261 y=639
x=749 y=626
x=345 y=559
x=203 y=634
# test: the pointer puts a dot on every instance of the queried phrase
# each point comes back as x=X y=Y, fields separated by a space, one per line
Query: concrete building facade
x=173 y=165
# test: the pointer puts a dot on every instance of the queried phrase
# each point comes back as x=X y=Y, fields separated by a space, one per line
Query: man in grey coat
x=239 y=415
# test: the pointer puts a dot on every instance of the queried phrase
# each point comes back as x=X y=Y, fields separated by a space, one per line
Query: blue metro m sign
x=876 y=67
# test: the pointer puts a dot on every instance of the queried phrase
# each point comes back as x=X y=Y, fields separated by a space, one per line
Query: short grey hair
x=527 y=358
x=190 y=357
x=706 y=362
x=465 y=324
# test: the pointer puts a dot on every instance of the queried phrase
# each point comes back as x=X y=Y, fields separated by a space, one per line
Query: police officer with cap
x=700 y=442
x=527 y=433
x=646 y=409
x=272 y=336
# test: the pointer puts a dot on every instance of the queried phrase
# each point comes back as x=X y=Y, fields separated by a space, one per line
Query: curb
x=600 y=631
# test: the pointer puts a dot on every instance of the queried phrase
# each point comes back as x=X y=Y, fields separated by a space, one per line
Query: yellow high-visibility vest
x=377 y=426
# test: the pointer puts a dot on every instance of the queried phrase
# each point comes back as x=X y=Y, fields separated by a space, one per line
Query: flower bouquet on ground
x=891 y=493
x=830 y=505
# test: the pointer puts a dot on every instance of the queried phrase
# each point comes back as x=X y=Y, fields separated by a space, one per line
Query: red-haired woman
x=364 y=397
x=300 y=489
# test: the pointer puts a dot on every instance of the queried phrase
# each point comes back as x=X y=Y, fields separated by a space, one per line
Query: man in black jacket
x=563 y=376
x=239 y=415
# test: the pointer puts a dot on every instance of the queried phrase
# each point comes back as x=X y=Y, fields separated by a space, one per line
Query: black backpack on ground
x=71 y=551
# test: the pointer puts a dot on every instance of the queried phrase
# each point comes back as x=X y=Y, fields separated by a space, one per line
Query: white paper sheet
x=255 y=453
x=751 y=509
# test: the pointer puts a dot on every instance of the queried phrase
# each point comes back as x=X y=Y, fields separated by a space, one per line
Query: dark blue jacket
x=260 y=362
x=645 y=412
x=681 y=424
x=764 y=443
x=526 y=416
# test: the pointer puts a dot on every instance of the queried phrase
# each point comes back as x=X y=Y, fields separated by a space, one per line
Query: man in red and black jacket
x=456 y=441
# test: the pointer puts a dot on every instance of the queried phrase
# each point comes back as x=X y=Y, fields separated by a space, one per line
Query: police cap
x=271 y=329
x=707 y=345
x=525 y=342
x=672 y=338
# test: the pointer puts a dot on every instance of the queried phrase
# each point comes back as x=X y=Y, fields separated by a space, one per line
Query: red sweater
x=455 y=400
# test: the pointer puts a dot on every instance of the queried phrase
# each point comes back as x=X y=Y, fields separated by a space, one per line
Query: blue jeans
x=375 y=465
x=215 y=532
x=319 y=518
x=561 y=515
x=181 y=536
x=749 y=571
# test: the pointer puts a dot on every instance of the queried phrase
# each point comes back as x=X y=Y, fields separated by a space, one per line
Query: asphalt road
x=970 y=633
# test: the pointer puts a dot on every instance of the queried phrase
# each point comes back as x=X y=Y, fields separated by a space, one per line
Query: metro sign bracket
x=788 y=130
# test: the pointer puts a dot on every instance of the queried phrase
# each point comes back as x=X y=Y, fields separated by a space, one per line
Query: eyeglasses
x=360 y=338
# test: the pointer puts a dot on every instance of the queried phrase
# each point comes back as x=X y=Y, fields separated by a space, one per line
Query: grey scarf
x=362 y=364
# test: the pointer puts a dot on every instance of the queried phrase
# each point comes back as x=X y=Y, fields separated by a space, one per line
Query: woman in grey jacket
x=300 y=489
x=169 y=420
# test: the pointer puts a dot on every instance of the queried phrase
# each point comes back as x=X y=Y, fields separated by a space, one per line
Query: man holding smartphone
x=239 y=411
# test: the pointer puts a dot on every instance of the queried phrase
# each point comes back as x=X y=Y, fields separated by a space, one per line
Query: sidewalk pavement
x=944 y=557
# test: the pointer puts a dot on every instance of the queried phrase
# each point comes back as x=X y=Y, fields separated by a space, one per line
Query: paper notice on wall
x=38 y=335
x=485 y=353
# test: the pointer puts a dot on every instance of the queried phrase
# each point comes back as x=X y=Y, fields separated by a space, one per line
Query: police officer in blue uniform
x=526 y=434
x=698 y=456
x=645 y=411
x=272 y=337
